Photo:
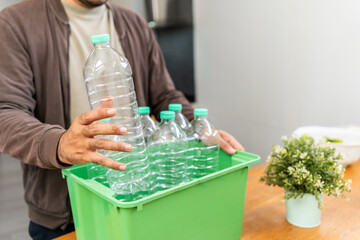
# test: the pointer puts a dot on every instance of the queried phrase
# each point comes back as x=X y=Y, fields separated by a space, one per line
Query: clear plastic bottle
x=166 y=148
x=180 y=119
x=108 y=73
x=204 y=146
x=98 y=172
x=148 y=125
x=184 y=124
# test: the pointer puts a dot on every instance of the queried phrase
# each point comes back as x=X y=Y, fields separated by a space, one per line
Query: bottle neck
x=102 y=45
x=177 y=113
x=167 y=121
x=200 y=117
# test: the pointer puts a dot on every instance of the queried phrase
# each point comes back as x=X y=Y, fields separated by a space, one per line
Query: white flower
x=348 y=184
x=337 y=191
x=339 y=168
x=319 y=184
x=303 y=169
x=279 y=150
x=325 y=145
x=291 y=170
x=284 y=138
x=303 y=155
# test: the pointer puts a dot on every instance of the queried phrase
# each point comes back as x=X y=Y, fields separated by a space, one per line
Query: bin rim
x=244 y=159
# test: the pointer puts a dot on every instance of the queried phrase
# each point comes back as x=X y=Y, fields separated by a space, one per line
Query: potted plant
x=306 y=170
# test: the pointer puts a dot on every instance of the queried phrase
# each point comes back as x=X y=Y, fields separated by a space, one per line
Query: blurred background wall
x=5 y=3
x=172 y=23
x=264 y=68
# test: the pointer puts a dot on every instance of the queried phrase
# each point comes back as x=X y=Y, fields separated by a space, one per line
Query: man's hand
x=78 y=144
x=228 y=143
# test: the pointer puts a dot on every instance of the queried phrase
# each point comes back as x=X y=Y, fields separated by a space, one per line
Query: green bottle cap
x=175 y=107
x=167 y=115
x=200 y=112
x=104 y=38
x=105 y=120
x=144 y=110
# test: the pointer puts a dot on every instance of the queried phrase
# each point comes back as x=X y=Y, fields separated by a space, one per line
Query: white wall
x=136 y=5
x=5 y=3
x=265 y=67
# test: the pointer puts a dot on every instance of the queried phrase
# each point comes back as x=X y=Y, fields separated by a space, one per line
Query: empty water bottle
x=204 y=146
x=148 y=125
x=98 y=172
x=184 y=124
x=180 y=119
x=167 y=146
x=108 y=73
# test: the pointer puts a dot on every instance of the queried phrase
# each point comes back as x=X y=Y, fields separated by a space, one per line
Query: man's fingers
x=231 y=140
x=107 y=102
x=103 y=129
x=95 y=115
x=107 y=162
x=226 y=147
x=105 y=144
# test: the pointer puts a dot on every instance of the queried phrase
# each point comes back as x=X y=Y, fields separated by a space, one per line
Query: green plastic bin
x=208 y=208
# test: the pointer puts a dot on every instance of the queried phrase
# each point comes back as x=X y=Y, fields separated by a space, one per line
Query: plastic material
x=180 y=119
x=303 y=212
x=148 y=124
x=144 y=110
x=104 y=38
x=108 y=73
x=203 y=148
x=166 y=150
x=200 y=112
x=208 y=208
x=175 y=107
x=167 y=115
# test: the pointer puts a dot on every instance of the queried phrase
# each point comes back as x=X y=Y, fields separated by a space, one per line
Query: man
x=44 y=44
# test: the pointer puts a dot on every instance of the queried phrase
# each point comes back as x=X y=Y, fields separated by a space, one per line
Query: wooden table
x=265 y=213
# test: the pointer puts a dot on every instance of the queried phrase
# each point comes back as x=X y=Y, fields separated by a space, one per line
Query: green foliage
x=333 y=140
x=303 y=166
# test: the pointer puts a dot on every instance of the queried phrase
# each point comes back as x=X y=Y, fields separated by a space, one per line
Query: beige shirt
x=84 y=23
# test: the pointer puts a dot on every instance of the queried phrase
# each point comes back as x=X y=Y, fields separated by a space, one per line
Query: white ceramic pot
x=303 y=212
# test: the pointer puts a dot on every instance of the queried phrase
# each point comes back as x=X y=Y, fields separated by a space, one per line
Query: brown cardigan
x=35 y=98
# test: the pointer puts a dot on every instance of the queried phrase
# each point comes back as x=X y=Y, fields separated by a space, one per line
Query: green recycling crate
x=208 y=208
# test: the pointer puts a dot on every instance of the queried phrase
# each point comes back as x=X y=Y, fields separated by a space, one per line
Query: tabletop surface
x=265 y=212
